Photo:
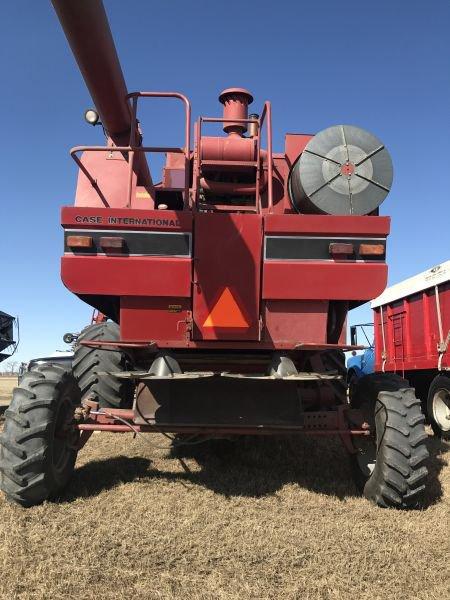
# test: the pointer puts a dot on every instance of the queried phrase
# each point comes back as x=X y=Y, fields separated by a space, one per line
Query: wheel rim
x=366 y=454
x=441 y=409
x=62 y=442
x=367 y=447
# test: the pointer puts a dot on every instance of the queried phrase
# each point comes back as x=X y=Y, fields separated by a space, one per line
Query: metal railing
x=266 y=114
x=132 y=148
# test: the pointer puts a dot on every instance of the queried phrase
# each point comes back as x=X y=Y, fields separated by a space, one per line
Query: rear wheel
x=95 y=368
x=38 y=446
x=389 y=465
x=438 y=406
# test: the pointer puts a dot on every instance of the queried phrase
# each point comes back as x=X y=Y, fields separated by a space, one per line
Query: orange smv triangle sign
x=226 y=313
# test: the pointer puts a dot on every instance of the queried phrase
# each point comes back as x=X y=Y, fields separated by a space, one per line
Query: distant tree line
x=10 y=368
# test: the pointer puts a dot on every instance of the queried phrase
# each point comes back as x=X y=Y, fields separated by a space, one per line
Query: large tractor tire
x=438 y=406
x=38 y=446
x=95 y=368
x=389 y=466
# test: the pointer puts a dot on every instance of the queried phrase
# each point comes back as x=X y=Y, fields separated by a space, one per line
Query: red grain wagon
x=412 y=338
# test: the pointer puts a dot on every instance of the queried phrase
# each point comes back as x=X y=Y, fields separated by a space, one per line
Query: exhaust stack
x=235 y=106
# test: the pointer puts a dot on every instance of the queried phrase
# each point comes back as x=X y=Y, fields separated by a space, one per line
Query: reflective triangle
x=226 y=313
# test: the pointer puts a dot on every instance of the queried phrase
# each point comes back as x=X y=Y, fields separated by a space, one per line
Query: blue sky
x=380 y=65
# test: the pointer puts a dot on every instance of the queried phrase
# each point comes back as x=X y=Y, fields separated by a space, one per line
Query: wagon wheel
x=438 y=406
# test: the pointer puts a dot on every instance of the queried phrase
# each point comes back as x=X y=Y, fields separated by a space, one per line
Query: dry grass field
x=259 y=519
x=6 y=385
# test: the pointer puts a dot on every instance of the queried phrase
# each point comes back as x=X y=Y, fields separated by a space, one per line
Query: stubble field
x=263 y=519
x=6 y=385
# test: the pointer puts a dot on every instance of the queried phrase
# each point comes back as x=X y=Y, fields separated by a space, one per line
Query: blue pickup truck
x=361 y=364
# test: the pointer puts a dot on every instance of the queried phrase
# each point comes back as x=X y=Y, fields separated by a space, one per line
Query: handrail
x=131 y=150
x=222 y=120
x=266 y=112
x=187 y=139
x=132 y=147
x=181 y=97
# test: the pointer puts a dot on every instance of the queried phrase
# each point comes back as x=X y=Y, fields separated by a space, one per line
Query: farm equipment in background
x=226 y=286
x=360 y=363
x=60 y=357
x=8 y=345
x=412 y=338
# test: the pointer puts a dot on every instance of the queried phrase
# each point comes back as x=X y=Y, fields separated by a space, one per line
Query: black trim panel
x=136 y=243
x=315 y=248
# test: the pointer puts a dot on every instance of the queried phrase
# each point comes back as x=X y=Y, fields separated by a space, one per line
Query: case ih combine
x=226 y=286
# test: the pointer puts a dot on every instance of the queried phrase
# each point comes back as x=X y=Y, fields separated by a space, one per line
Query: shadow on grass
x=244 y=466
x=247 y=466
x=258 y=466
x=100 y=475
x=436 y=463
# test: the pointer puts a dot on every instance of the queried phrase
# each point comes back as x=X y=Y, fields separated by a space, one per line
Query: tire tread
x=94 y=368
x=399 y=477
x=27 y=476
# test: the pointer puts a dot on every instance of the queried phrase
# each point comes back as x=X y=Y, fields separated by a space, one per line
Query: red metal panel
x=227 y=255
x=414 y=346
x=111 y=175
x=127 y=276
x=418 y=337
x=174 y=171
x=294 y=145
x=327 y=225
x=231 y=148
x=323 y=280
x=153 y=319
x=119 y=218
x=295 y=322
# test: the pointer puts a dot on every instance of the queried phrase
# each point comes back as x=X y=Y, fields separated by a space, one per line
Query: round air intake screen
x=343 y=170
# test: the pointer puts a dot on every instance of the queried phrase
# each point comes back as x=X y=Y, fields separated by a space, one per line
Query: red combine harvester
x=226 y=286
